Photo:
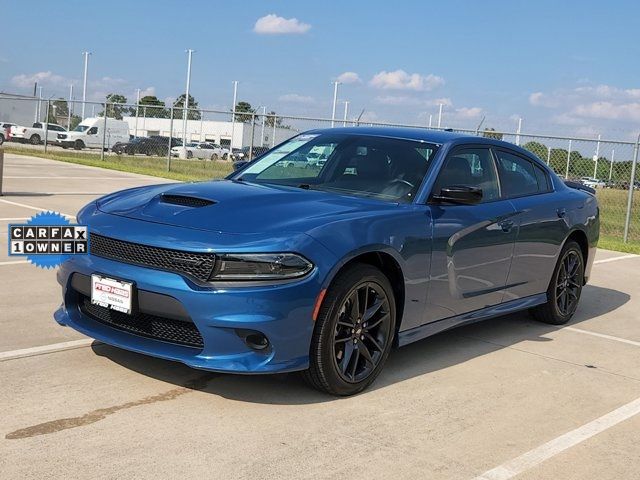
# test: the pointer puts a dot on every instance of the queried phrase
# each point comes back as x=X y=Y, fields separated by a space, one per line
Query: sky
x=565 y=68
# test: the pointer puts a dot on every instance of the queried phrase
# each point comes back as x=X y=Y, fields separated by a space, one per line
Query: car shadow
x=425 y=356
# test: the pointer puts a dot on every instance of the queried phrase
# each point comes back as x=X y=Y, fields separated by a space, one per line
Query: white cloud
x=295 y=98
x=349 y=77
x=405 y=100
x=272 y=24
x=401 y=80
x=468 y=112
x=609 y=111
x=149 y=91
x=26 y=80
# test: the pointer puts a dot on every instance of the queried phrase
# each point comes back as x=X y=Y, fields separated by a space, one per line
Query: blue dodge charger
x=328 y=251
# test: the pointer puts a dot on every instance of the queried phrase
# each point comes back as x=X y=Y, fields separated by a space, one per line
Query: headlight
x=260 y=266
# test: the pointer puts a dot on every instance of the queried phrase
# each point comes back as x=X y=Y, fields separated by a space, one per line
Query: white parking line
x=6 y=219
x=55 y=347
x=23 y=205
x=14 y=262
x=602 y=335
x=97 y=177
x=552 y=448
x=614 y=259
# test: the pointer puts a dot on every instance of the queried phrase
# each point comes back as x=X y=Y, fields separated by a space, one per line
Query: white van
x=90 y=134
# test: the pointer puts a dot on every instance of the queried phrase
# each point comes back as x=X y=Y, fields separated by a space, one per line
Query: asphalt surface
x=507 y=398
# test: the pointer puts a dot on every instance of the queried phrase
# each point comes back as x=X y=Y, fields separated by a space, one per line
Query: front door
x=472 y=244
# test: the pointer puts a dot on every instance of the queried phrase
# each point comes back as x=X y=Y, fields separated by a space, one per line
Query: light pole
x=186 y=99
x=135 y=130
x=264 y=119
x=84 y=81
x=430 y=119
x=233 y=116
x=518 y=132
x=595 y=157
x=69 y=107
x=346 y=112
x=440 y=115
x=335 y=101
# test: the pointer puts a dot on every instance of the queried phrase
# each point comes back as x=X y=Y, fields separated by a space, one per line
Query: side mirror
x=459 y=194
x=239 y=164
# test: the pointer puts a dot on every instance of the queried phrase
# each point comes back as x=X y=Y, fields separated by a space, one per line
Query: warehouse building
x=211 y=131
x=21 y=109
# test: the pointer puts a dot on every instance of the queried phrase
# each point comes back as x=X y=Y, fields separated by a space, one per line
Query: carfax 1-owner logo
x=48 y=239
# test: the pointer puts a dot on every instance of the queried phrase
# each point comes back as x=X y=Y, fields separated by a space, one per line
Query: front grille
x=168 y=330
x=198 y=265
x=186 y=201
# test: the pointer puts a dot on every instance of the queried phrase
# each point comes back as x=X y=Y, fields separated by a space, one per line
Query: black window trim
x=550 y=186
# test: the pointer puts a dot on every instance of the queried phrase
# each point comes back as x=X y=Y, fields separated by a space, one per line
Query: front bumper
x=282 y=312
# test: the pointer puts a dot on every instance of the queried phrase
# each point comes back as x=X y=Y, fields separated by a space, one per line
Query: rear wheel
x=1 y=139
x=189 y=154
x=214 y=156
x=353 y=332
x=34 y=139
x=565 y=288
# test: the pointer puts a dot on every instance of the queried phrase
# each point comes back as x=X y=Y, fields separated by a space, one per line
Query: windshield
x=81 y=128
x=385 y=168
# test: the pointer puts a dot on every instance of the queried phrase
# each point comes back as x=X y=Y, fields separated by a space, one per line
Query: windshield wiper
x=304 y=186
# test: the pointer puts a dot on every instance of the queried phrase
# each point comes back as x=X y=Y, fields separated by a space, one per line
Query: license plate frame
x=112 y=293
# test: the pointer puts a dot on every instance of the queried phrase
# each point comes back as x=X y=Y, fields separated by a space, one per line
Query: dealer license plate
x=110 y=293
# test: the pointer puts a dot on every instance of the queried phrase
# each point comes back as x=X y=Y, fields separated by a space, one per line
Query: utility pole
x=69 y=107
x=135 y=130
x=440 y=116
x=518 y=132
x=335 y=101
x=233 y=117
x=346 y=112
x=186 y=100
x=430 y=119
x=84 y=81
x=264 y=119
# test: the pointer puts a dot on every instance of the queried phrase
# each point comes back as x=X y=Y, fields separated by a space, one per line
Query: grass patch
x=185 y=170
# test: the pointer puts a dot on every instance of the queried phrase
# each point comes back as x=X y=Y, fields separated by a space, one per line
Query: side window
x=517 y=175
x=92 y=131
x=544 y=182
x=472 y=167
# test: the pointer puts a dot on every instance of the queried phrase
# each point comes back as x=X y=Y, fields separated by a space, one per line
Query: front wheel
x=353 y=332
x=78 y=145
x=565 y=287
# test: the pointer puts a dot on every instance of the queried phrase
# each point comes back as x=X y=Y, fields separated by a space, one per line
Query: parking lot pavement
x=507 y=398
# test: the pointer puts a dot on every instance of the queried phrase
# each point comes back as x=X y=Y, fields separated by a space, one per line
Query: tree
x=538 y=149
x=152 y=107
x=491 y=133
x=269 y=119
x=192 y=106
x=116 y=106
x=241 y=108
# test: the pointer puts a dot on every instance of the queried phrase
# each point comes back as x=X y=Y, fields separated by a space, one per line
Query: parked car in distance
x=403 y=233
x=5 y=131
x=201 y=150
x=35 y=133
x=154 y=145
x=91 y=133
x=593 y=182
x=249 y=153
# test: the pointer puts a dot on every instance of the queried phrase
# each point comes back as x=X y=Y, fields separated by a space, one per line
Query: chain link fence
x=200 y=144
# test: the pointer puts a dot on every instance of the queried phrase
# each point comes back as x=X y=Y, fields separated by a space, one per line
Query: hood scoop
x=185 y=201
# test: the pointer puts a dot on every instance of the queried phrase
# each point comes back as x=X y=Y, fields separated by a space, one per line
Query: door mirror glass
x=459 y=194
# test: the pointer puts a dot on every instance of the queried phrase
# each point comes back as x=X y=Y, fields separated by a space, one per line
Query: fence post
x=631 y=187
x=273 y=136
x=1 y=168
x=548 y=154
x=170 y=141
x=566 y=173
x=104 y=130
x=613 y=153
x=253 y=130
x=46 y=127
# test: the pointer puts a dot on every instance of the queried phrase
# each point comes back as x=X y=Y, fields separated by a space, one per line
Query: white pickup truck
x=35 y=134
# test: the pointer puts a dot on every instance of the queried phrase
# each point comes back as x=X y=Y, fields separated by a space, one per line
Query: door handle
x=506 y=225
x=561 y=212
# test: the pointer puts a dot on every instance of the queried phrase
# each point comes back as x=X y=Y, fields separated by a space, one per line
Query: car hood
x=239 y=207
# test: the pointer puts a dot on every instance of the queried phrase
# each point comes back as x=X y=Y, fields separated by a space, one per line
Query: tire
x=214 y=156
x=1 y=139
x=564 y=290
x=224 y=156
x=189 y=154
x=369 y=345
x=34 y=139
x=78 y=145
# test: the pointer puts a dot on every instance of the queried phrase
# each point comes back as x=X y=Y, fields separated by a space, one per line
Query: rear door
x=541 y=227
x=472 y=244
